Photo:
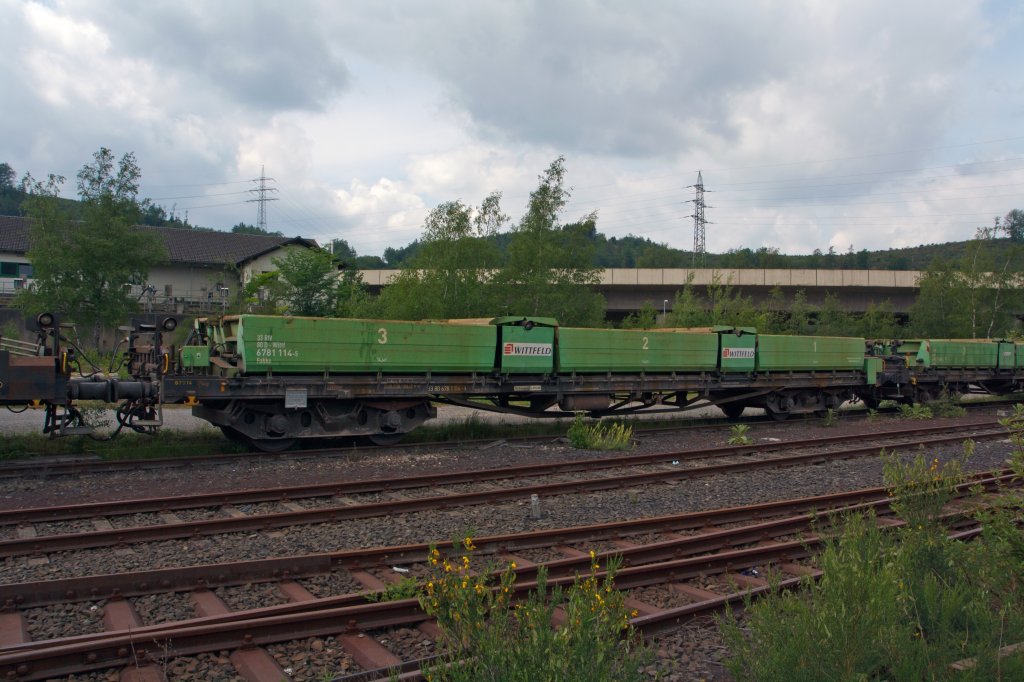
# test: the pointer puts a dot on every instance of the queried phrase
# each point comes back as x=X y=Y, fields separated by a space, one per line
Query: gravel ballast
x=691 y=653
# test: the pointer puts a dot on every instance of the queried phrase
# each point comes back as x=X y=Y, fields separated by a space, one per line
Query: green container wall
x=872 y=366
x=308 y=344
x=620 y=350
x=1019 y=355
x=795 y=353
x=526 y=351
x=737 y=353
x=947 y=353
x=1007 y=355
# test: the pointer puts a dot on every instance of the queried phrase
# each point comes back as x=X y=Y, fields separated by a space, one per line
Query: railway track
x=669 y=581
x=49 y=467
x=31 y=531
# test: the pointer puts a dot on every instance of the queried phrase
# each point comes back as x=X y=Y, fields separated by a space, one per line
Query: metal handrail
x=19 y=347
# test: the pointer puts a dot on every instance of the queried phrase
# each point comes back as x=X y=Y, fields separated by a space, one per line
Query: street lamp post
x=664 y=311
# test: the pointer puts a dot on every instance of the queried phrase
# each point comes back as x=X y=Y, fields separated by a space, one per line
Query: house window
x=9 y=269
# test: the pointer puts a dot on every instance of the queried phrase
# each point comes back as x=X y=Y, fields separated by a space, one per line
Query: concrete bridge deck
x=627 y=289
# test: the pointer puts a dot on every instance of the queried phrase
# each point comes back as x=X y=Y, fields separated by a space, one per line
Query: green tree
x=688 y=310
x=660 y=256
x=974 y=296
x=341 y=250
x=311 y=285
x=450 y=274
x=878 y=322
x=799 y=320
x=243 y=228
x=1013 y=225
x=82 y=269
x=7 y=176
x=550 y=269
x=645 y=318
x=10 y=195
x=833 y=320
x=938 y=308
x=775 y=315
x=723 y=304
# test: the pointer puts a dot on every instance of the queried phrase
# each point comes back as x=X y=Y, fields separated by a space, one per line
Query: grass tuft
x=600 y=436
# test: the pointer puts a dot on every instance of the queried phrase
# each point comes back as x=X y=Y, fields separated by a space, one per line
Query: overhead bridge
x=627 y=289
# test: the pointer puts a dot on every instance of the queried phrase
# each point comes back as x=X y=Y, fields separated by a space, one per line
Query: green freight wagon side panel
x=872 y=366
x=309 y=344
x=1007 y=355
x=620 y=350
x=1019 y=355
x=776 y=353
x=195 y=356
x=963 y=353
x=526 y=349
x=737 y=348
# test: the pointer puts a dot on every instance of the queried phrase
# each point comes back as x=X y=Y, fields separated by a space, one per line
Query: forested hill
x=609 y=252
x=640 y=252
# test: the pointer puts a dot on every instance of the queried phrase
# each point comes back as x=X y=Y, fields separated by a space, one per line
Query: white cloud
x=370 y=113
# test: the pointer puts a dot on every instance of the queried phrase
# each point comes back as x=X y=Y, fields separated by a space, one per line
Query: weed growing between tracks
x=490 y=636
x=600 y=436
x=905 y=605
x=738 y=435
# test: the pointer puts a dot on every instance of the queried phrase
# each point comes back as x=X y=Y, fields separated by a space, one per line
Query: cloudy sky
x=815 y=123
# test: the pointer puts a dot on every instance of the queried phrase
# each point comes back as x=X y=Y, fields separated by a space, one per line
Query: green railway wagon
x=294 y=345
x=964 y=353
x=626 y=350
x=952 y=353
x=777 y=353
x=1019 y=355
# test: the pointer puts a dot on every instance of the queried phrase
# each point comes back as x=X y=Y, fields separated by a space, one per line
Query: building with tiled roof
x=203 y=267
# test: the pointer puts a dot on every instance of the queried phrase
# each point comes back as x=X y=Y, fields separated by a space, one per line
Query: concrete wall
x=627 y=289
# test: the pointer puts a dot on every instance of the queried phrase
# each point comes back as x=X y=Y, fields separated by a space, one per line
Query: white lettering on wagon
x=526 y=349
x=747 y=353
x=268 y=350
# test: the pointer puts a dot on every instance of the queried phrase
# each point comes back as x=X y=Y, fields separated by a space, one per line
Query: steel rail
x=55 y=658
x=209 y=576
x=377 y=485
x=103 y=538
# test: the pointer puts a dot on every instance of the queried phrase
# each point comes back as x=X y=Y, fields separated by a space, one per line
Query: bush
x=902 y=605
x=491 y=636
x=947 y=405
x=916 y=411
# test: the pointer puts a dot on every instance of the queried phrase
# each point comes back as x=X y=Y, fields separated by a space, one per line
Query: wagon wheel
x=777 y=416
